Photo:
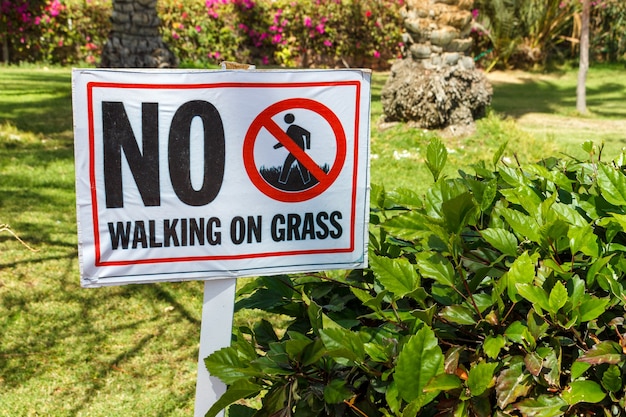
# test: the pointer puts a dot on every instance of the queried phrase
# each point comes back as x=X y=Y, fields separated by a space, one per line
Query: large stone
x=460 y=45
x=435 y=98
x=420 y=51
x=443 y=36
x=435 y=85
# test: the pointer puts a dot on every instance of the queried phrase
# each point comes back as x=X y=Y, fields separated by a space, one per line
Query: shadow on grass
x=36 y=101
x=541 y=96
x=96 y=350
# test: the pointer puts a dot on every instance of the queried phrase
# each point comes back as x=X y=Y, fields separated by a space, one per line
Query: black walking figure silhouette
x=302 y=138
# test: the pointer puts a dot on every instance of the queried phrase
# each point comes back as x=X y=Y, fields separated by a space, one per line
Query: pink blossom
x=55 y=8
x=307 y=22
x=320 y=28
x=198 y=28
x=265 y=60
x=328 y=43
x=376 y=54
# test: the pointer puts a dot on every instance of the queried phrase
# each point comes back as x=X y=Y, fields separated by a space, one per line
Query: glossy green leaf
x=583 y=392
x=485 y=192
x=498 y=154
x=501 y=239
x=522 y=271
x=557 y=298
x=493 y=345
x=591 y=308
x=552 y=362
x=410 y=226
x=229 y=366
x=459 y=212
x=343 y=343
x=420 y=360
x=578 y=369
x=544 y=406
x=336 y=391
x=459 y=314
x=612 y=184
x=522 y=224
x=444 y=382
x=480 y=377
x=436 y=267
x=535 y=295
x=396 y=275
x=511 y=384
x=612 y=379
x=603 y=352
x=534 y=363
x=436 y=157
x=235 y=392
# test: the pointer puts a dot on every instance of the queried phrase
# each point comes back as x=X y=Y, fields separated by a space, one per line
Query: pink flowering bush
x=290 y=33
x=57 y=31
x=16 y=19
x=74 y=31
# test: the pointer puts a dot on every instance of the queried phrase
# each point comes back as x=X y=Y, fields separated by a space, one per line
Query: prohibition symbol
x=313 y=178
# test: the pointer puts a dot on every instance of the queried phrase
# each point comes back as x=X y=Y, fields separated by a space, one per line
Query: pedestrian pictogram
x=302 y=138
x=297 y=176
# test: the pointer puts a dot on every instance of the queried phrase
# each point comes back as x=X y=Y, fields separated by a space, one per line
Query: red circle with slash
x=264 y=120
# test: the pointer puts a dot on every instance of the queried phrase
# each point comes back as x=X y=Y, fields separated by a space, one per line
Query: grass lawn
x=132 y=350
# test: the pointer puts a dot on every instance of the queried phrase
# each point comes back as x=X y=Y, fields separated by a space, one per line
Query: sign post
x=214 y=175
x=219 y=297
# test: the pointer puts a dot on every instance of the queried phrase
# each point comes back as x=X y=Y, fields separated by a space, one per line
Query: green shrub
x=497 y=293
x=609 y=31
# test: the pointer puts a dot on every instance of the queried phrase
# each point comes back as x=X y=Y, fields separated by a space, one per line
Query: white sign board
x=184 y=174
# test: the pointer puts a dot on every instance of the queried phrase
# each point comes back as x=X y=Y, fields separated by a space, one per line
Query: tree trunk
x=135 y=41
x=5 y=50
x=581 y=93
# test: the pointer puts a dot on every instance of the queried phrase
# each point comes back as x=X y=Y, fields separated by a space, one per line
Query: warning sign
x=212 y=174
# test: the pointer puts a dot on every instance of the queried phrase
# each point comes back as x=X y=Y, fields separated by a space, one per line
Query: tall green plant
x=497 y=293
x=526 y=32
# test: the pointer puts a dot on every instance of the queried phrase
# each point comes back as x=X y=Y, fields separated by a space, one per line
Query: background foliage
x=283 y=32
x=330 y=33
x=529 y=33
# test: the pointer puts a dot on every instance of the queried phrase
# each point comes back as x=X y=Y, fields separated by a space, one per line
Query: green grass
x=132 y=350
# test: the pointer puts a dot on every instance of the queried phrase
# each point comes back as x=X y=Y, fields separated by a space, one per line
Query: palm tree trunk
x=581 y=90
x=5 y=50
x=135 y=41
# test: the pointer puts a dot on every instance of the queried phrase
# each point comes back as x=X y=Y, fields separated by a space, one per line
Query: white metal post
x=215 y=333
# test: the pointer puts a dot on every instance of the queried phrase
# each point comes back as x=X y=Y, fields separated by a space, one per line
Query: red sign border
x=92 y=175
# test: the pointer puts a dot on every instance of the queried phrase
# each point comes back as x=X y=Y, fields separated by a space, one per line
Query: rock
x=435 y=98
x=443 y=36
x=435 y=85
x=420 y=51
